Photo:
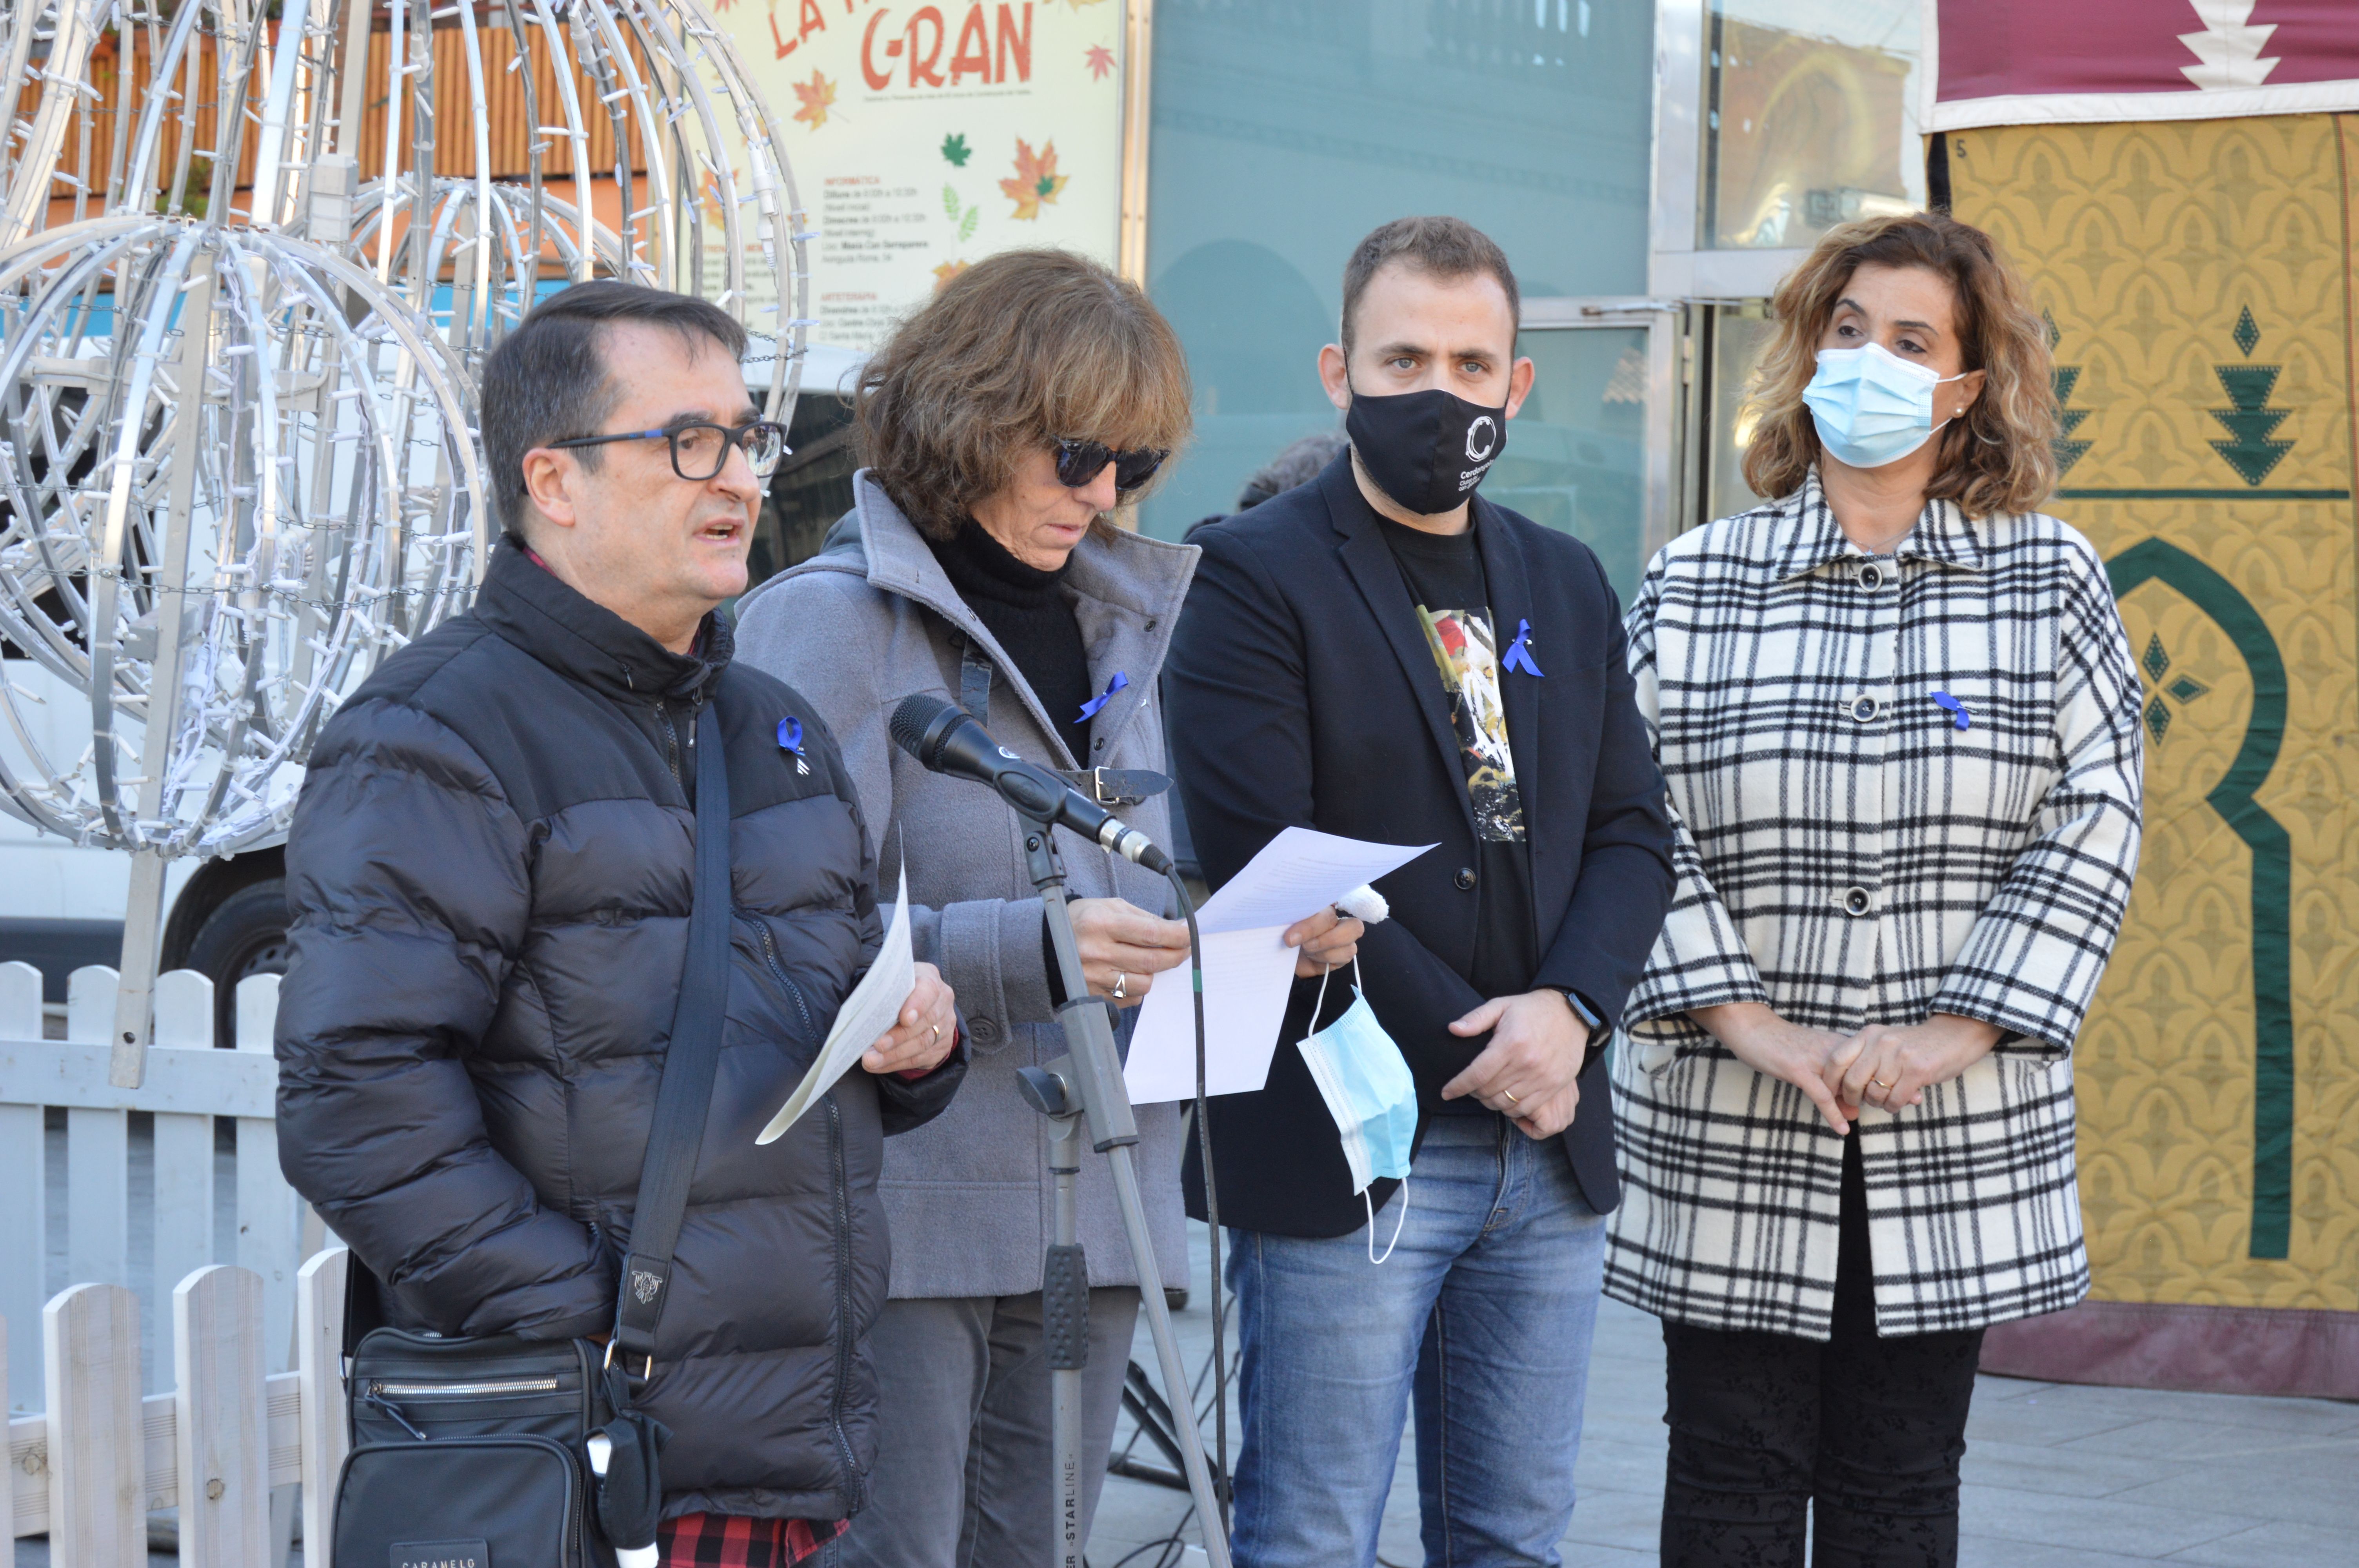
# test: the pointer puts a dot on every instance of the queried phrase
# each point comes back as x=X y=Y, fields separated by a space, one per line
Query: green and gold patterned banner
x=2199 y=278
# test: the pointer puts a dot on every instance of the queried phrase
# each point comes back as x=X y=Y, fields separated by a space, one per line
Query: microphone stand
x=1085 y=1085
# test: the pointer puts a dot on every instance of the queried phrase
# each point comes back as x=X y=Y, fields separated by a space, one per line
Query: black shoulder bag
x=510 y=1452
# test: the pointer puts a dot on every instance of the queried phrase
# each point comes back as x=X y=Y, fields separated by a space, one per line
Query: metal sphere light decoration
x=389 y=283
x=705 y=203
x=217 y=517
x=240 y=323
x=376 y=141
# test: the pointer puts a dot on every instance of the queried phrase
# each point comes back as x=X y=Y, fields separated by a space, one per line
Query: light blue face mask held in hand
x=1365 y=1082
x=1872 y=407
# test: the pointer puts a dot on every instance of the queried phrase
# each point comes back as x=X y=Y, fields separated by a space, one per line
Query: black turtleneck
x=1026 y=611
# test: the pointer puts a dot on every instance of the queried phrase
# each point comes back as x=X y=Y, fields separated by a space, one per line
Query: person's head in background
x=621 y=446
x=1299 y=463
x=1426 y=372
x=1035 y=391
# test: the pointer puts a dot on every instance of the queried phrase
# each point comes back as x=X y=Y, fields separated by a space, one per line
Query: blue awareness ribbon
x=790 y=734
x=1519 y=652
x=1943 y=699
x=1090 y=708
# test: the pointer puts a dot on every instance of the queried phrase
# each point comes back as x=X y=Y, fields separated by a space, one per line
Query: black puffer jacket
x=490 y=875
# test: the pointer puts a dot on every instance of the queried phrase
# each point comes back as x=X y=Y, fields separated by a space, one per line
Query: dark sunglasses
x=699 y=451
x=1078 y=463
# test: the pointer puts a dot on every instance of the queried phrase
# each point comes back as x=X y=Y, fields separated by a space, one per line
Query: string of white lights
x=238 y=463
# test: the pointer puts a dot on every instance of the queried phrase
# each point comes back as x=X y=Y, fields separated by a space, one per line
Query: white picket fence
x=188 y=1085
x=88 y=1470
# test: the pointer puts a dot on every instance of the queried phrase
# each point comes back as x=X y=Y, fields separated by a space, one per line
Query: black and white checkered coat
x=1849 y=855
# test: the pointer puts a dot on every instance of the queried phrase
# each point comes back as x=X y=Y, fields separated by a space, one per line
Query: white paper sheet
x=1299 y=873
x=1246 y=977
x=1248 y=968
x=872 y=1008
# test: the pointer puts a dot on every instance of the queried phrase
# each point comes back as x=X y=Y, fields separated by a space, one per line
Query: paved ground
x=2056 y=1476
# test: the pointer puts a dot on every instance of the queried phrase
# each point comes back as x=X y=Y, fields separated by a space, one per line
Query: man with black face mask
x=1384 y=654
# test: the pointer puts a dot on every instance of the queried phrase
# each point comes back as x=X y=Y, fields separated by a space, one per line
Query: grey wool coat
x=858 y=627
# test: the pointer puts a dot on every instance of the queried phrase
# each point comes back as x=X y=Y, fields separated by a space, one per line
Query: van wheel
x=245 y=934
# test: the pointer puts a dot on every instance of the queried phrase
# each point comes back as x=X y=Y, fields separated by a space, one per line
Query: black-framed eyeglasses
x=699 y=451
x=1078 y=463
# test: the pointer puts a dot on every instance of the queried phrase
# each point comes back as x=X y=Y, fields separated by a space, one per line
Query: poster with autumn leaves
x=924 y=137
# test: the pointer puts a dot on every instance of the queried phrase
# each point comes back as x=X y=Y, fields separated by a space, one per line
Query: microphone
x=945 y=741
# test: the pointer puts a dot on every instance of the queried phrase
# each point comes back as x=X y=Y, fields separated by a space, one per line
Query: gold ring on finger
x=1511 y=1096
x=1885 y=1083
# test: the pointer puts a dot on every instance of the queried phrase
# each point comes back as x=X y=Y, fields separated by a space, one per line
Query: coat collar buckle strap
x=1117 y=786
x=974 y=682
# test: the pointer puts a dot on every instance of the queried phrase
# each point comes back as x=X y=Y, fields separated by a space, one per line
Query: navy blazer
x=1301 y=691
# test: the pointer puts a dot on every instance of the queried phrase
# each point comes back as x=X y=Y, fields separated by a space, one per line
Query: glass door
x=1577 y=456
x=1775 y=120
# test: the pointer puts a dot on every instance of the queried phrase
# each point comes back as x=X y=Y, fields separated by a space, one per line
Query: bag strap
x=975 y=683
x=685 y=1095
x=363 y=1303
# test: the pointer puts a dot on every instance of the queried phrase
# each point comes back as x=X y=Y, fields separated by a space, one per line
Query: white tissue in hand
x=1365 y=904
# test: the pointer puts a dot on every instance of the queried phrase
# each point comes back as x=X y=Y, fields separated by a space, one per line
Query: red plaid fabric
x=733 y=1541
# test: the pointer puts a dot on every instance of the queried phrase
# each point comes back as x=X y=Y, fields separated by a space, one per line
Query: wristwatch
x=1581 y=1010
x=1598 y=1032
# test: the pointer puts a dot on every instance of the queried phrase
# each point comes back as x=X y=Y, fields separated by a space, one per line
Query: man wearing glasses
x=490 y=875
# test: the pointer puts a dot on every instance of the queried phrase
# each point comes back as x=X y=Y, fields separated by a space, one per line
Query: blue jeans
x=1484 y=1310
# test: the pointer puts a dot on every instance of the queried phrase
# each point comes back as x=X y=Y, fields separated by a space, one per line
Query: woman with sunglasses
x=999 y=425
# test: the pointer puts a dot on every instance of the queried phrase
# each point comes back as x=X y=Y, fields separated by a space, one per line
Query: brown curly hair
x=1017 y=352
x=1999 y=457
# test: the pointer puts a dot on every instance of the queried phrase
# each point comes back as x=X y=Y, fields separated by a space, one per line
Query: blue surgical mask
x=1872 y=407
x=1365 y=1082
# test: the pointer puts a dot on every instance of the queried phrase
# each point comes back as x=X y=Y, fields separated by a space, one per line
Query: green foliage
x=964 y=216
x=199 y=193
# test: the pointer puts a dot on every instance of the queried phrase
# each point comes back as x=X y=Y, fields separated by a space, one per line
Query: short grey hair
x=549 y=380
x=1299 y=464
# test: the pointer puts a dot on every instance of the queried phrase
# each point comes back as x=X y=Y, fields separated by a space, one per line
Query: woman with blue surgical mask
x=1896 y=719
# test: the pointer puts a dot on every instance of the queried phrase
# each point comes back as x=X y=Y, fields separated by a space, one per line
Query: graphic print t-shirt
x=1445 y=580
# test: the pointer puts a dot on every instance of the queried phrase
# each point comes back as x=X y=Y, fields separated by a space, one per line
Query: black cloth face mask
x=1427 y=450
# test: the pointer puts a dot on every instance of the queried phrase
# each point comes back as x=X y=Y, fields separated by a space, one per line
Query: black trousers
x=1870 y=1430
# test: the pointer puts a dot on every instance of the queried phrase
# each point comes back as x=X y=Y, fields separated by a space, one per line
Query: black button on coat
x=490 y=875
